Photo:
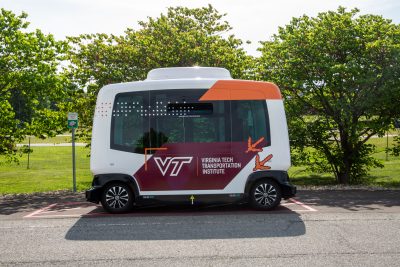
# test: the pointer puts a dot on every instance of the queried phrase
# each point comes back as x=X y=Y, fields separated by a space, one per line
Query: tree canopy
x=30 y=87
x=339 y=73
x=181 y=37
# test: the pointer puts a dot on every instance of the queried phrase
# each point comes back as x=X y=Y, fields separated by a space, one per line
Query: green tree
x=181 y=37
x=190 y=37
x=339 y=73
x=29 y=84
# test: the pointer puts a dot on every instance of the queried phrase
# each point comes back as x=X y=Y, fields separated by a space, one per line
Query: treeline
x=339 y=73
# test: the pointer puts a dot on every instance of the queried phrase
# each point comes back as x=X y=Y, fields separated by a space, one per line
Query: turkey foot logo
x=176 y=162
x=260 y=165
x=253 y=147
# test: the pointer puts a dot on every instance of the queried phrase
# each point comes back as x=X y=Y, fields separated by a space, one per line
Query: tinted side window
x=250 y=119
x=150 y=119
x=179 y=117
x=130 y=124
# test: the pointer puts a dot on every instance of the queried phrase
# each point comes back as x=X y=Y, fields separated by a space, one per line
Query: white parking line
x=308 y=208
x=287 y=204
x=57 y=215
x=40 y=211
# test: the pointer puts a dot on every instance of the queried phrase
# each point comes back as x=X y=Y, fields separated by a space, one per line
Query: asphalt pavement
x=316 y=228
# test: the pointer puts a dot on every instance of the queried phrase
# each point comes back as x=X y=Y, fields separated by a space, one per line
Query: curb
x=345 y=188
x=58 y=193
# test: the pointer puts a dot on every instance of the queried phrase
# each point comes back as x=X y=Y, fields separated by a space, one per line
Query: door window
x=250 y=119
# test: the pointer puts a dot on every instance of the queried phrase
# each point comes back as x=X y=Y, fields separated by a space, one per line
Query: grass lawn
x=389 y=176
x=50 y=169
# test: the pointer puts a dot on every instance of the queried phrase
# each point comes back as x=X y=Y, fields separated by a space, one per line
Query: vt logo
x=176 y=162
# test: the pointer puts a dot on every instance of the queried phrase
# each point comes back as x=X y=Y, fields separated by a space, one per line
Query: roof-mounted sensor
x=189 y=73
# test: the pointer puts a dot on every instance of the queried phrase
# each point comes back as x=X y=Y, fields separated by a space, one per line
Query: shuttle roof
x=188 y=73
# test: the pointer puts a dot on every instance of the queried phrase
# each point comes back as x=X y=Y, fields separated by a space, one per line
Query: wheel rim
x=265 y=194
x=117 y=197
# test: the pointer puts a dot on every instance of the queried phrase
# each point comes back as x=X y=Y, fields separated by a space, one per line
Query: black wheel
x=265 y=195
x=117 y=198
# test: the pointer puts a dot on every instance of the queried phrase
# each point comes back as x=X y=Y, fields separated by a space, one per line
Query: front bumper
x=94 y=194
x=288 y=190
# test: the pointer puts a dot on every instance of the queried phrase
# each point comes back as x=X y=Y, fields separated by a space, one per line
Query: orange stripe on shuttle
x=242 y=90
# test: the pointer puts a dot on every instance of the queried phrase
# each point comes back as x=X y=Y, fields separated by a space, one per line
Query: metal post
x=73 y=160
x=387 y=145
x=29 y=150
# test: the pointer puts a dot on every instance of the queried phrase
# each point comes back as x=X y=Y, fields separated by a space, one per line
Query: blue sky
x=252 y=20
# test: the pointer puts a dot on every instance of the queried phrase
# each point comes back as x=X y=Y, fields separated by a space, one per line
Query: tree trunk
x=344 y=174
x=343 y=178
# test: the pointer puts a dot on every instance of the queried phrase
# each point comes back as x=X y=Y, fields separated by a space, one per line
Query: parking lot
x=316 y=228
x=68 y=205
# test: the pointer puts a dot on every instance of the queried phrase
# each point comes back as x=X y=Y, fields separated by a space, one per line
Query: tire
x=117 y=198
x=265 y=195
